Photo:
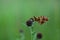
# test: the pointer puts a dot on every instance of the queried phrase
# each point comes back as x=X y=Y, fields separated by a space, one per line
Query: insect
x=41 y=19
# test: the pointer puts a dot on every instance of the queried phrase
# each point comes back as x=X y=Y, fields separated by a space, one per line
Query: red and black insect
x=40 y=19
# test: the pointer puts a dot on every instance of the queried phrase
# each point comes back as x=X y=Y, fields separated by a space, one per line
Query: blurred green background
x=14 y=14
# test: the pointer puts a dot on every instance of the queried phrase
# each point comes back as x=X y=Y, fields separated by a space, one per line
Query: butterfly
x=41 y=19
